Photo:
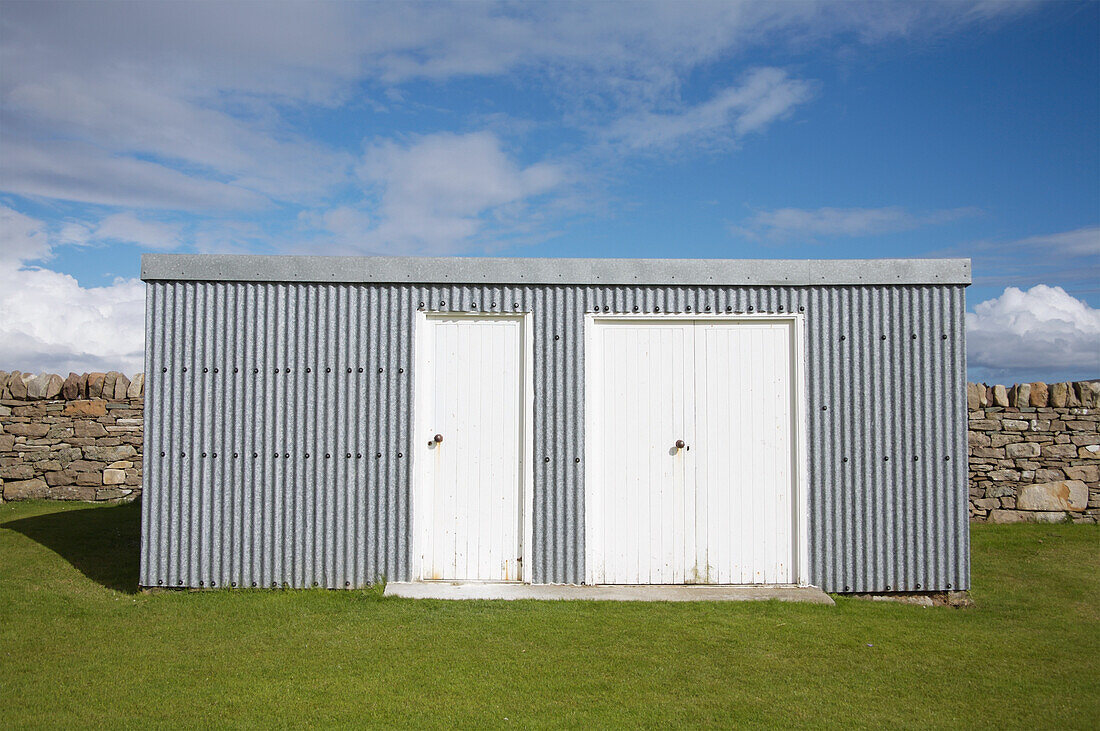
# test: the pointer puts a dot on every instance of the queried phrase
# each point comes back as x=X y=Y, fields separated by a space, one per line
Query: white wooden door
x=470 y=372
x=719 y=510
x=644 y=399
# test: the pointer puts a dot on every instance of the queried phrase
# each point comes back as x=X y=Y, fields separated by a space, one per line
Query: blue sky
x=789 y=130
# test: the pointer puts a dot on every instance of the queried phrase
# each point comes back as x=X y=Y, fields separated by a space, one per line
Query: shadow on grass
x=103 y=543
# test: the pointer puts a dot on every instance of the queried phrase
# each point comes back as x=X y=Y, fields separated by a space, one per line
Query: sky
x=727 y=130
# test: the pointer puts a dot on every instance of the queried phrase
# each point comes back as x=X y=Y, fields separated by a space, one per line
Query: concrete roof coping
x=606 y=272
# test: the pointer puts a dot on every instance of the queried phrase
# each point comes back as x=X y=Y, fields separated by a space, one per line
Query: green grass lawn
x=80 y=646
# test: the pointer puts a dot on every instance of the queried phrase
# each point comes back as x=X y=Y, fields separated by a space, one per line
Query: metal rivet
x=845 y=459
x=945 y=338
x=801 y=308
x=327 y=455
x=328 y=370
x=378 y=455
x=888 y=587
x=255 y=370
x=780 y=308
x=205 y=370
x=163 y=370
x=843 y=337
x=656 y=309
x=494 y=304
x=235 y=455
x=360 y=370
x=606 y=308
x=347 y=583
x=358 y=455
x=515 y=305
x=185 y=369
x=577 y=460
x=441 y=303
x=885 y=459
x=286 y=455
x=547 y=459
x=847 y=588
x=635 y=308
x=307 y=455
x=276 y=371
x=160 y=581
x=200 y=583
x=729 y=308
x=255 y=455
x=309 y=370
x=349 y=370
x=918 y=586
x=914 y=336
x=274 y=584
x=235 y=370
x=180 y=582
x=253 y=583
x=708 y=308
x=215 y=370
x=688 y=308
x=947 y=459
x=286 y=370
x=162 y=454
x=557 y=337
x=214 y=455
x=400 y=455
x=473 y=305
x=750 y=308
x=276 y=455
x=348 y=456
x=916 y=458
x=883 y=337
x=949 y=586
x=380 y=370
x=824 y=408
x=234 y=584
x=400 y=370
x=213 y=583
x=421 y=305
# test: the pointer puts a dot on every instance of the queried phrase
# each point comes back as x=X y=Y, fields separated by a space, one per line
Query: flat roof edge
x=606 y=272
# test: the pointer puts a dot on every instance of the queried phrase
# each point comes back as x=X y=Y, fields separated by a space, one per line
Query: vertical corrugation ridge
x=875 y=525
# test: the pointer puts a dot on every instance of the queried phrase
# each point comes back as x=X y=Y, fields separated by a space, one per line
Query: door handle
x=680 y=444
x=436 y=440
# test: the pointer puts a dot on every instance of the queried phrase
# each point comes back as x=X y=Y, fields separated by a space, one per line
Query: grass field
x=80 y=646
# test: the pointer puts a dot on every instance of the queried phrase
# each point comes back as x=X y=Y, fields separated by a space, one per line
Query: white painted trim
x=422 y=392
x=799 y=403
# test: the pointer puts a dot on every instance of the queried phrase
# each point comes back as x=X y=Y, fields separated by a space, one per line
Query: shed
x=335 y=421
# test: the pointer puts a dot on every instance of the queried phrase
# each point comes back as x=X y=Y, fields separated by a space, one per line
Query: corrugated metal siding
x=886 y=417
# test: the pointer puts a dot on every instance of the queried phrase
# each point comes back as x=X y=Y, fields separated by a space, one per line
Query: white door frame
x=799 y=433
x=421 y=492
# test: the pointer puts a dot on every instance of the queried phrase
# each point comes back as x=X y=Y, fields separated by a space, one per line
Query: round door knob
x=437 y=438
x=679 y=443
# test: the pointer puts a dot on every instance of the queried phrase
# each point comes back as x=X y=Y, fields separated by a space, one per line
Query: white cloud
x=22 y=238
x=126 y=227
x=764 y=96
x=787 y=224
x=48 y=322
x=445 y=192
x=191 y=105
x=1078 y=242
x=1040 y=330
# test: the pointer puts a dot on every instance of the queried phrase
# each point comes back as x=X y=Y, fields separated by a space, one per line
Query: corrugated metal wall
x=278 y=417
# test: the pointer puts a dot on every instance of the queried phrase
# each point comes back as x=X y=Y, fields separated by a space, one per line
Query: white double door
x=720 y=509
x=470 y=489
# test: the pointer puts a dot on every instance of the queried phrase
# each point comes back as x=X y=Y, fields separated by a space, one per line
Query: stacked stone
x=1034 y=452
x=77 y=438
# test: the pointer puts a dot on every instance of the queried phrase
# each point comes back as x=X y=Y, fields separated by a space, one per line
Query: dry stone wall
x=1034 y=452
x=77 y=438
x=1034 y=447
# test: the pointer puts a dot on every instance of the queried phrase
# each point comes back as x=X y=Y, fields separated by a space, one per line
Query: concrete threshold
x=619 y=593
